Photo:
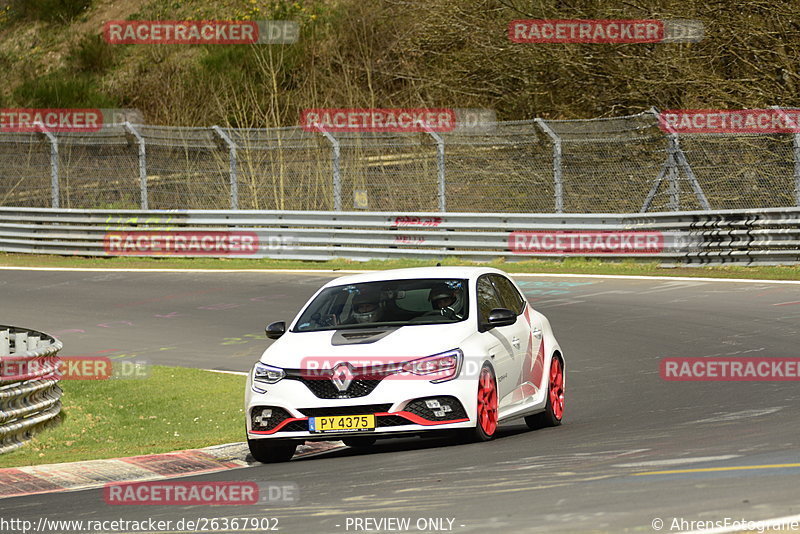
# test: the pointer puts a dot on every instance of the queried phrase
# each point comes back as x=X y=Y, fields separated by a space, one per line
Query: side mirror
x=275 y=330
x=501 y=317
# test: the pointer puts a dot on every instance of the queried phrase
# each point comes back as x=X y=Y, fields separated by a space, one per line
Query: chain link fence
x=25 y=170
x=279 y=169
x=505 y=168
x=99 y=169
x=616 y=165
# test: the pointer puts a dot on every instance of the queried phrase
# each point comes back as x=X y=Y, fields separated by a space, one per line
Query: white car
x=404 y=352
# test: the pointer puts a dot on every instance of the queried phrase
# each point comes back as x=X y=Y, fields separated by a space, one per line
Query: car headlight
x=267 y=373
x=439 y=367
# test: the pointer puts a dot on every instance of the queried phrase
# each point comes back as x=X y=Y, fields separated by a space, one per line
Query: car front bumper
x=399 y=406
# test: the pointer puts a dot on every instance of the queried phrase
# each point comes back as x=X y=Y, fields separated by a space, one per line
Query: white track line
x=679 y=461
x=356 y=271
x=240 y=373
x=667 y=278
x=112 y=269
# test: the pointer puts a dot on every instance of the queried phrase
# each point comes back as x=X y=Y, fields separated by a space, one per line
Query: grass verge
x=172 y=409
x=567 y=266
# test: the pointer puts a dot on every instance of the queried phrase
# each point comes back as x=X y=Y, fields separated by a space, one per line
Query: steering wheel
x=447 y=312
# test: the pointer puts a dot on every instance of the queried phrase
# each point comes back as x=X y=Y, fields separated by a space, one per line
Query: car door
x=526 y=340
x=498 y=339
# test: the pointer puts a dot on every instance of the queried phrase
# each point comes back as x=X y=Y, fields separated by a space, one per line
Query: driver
x=367 y=307
x=446 y=300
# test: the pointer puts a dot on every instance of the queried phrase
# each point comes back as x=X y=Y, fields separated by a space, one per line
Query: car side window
x=487 y=299
x=509 y=296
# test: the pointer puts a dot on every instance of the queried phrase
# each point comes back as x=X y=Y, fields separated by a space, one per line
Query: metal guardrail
x=30 y=397
x=768 y=236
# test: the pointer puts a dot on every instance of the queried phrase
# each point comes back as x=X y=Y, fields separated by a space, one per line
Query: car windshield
x=386 y=303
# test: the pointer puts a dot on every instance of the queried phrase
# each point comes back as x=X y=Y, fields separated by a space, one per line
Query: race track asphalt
x=589 y=475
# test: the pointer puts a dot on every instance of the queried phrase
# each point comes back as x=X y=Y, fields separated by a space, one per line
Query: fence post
x=796 y=147
x=795 y=153
x=232 y=158
x=142 y=164
x=672 y=173
x=683 y=163
x=55 y=190
x=558 y=182
x=337 y=178
x=440 y=165
x=670 y=167
x=675 y=161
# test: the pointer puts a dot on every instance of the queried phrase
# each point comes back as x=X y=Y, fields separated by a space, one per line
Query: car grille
x=323 y=388
x=418 y=407
x=278 y=415
x=346 y=410
x=295 y=426
x=392 y=420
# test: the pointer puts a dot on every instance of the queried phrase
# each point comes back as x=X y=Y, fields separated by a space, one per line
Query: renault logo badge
x=342 y=376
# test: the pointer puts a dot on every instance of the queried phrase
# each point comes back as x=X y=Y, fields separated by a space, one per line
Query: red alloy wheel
x=557 y=388
x=487 y=402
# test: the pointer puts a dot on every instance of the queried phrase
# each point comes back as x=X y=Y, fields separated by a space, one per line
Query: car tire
x=486 y=423
x=360 y=441
x=554 y=408
x=268 y=451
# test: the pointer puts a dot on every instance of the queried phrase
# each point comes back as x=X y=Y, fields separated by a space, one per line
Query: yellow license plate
x=342 y=423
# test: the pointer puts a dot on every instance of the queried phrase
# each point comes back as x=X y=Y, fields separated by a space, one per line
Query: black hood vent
x=360 y=337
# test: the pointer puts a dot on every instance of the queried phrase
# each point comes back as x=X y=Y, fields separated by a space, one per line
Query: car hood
x=365 y=345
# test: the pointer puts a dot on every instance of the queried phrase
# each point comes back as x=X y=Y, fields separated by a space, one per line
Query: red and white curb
x=31 y=480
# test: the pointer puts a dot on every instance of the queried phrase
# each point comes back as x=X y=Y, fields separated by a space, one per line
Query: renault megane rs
x=404 y=352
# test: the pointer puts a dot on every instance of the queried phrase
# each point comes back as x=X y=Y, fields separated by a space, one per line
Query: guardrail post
x=558 y=182
x=232 y=159
x=142 y=163
x=55 y=192
x=20 y=342
x=337 y=177
x=5 y=344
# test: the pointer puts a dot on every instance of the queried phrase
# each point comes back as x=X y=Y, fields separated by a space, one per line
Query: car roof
x=415 y=272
